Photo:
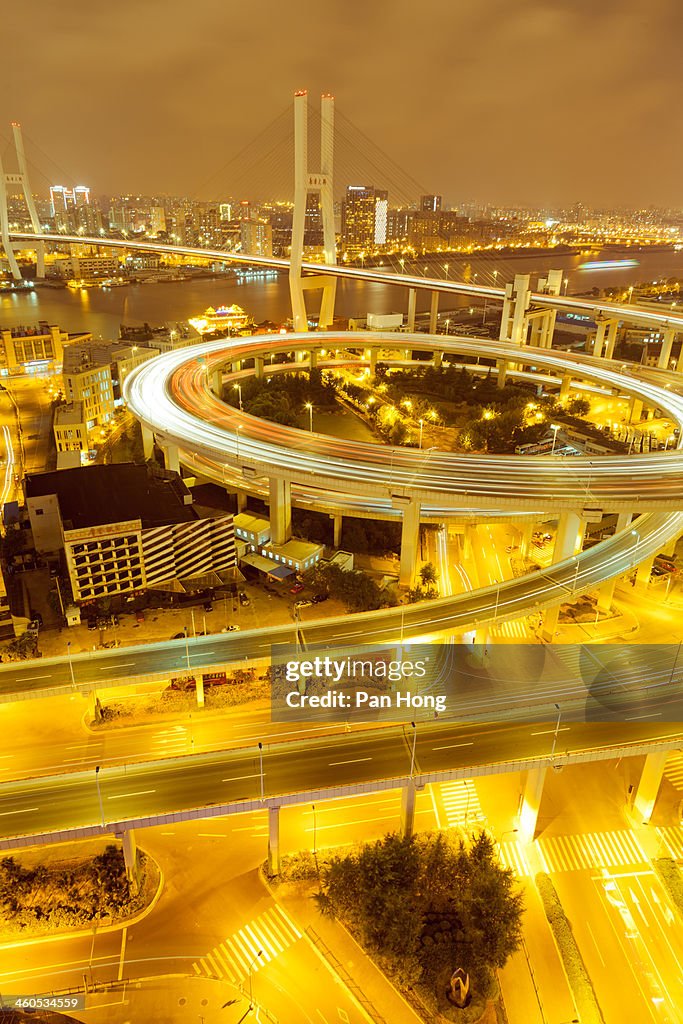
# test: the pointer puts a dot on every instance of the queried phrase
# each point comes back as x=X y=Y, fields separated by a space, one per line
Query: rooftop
x=246 y=521
x=104 y=495
x=71 y=413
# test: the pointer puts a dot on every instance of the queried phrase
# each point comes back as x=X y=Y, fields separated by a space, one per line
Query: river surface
x=101 y=311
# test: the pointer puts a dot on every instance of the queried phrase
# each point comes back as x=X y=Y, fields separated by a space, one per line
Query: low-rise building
x=30 y=349
x=93 y=373
x=125 y=529
x=70 y=428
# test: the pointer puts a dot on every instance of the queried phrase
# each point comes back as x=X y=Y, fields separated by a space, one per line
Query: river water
x=101 y=311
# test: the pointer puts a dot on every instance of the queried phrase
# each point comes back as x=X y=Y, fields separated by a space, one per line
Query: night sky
x=535 y=102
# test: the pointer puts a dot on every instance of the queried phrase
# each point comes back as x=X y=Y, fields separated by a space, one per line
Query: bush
x=671 y=879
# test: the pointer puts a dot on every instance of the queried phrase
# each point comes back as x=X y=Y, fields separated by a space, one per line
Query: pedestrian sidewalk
x=533 y=982
x=357 y=971
x=172 y=999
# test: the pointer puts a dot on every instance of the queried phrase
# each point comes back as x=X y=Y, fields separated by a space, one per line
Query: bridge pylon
x=19 y=178
x=320 y=182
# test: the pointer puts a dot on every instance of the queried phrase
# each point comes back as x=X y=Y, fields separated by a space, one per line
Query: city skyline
x=580 y=104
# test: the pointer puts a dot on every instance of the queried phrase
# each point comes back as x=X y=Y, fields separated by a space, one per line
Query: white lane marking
x=240 y=778
x=24 y=810
x=452 y=746
x=113 y=668
x=357 y=760
x=29 y=679
x=124 y=936
x=140 y=792
x=551 y=732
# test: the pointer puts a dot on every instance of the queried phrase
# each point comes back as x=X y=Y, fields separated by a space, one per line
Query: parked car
x=231 y=629
x=319 y=598
x=244 y=600
x=92 y=623
x=139 y=615
x=666 y=563
x=297 y=588
x=208 y=607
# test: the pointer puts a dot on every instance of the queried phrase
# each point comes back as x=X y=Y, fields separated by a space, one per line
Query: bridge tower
x=306 y=181
x=20 y=178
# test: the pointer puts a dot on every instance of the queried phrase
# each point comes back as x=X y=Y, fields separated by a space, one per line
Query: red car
x=297 y=588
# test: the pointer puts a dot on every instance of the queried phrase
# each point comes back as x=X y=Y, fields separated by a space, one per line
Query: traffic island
x=48 y=891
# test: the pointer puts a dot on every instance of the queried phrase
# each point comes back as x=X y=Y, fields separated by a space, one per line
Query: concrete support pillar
x=531 y=802
x=526 y=535
x=665 y=351
x=565 y=386
x=338 y=522
x=313 y=359
x=408 y=809
x=611 y=339
x=644 y=571
x=410 y=539
x=280 y=506
x=241 y=497
x=236 y=365
x=199 y=686
x=635 y=410
x=258 y=367
x=569 y=537
x=273 y=840
x=502 y=366
x=94 y=707
x=217 y=383
x=648 y=787
x=599 y=339
x=433 y=312
x=514 y=324
x=568 y=540
x=130 y=856
x=373 y=360
x=606 y=595
x=548 y=328
x=412 y=301
x=437 y=359
x=467 y=541
x=171 y=457
x=147 y=441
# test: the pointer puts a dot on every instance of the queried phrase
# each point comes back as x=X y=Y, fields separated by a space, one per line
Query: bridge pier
x=130 y=857
x=147 y=441
x=171 y=457
x=568 y=541
x=433 y=312
x=412 y=301
x=665 y=351
x=648 y=787
x=273 y=840
x=644 y=571
x=280 y=509
x=337 y=521
x=531 y=802
x=258 y=367
x=502 y=366
x=408 y=794
x=241 y=499
x=611 y=339
x=526 y=536
x=313 y=359
x=565 y=386
x=513 y=323
x=635 y=410
x=217 y=383
x=410 y=538
x=437 y=360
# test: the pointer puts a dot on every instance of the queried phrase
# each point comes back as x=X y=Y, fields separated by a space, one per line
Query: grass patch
x=579 y=979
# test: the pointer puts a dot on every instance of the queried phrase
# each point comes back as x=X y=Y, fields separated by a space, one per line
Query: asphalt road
x=127 y=792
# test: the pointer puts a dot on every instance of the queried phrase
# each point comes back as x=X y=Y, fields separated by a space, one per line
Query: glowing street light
x=310 y=416
x=445 y=267
x=448 y=324
x=421 y=423
x=238 y=389
x=554 y=427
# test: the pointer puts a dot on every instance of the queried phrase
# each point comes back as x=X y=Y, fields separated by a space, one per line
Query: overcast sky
x=530 y=102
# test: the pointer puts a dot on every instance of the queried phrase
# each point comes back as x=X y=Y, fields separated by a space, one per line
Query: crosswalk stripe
x=214 y=966
x=592 y=850
x=237 y=954
x=286 y=921
x=226 y=970
x=260 y=945
x=204 y=967
x=256 y=943
x=197 y=969
x=672 y=837
x=269 y=933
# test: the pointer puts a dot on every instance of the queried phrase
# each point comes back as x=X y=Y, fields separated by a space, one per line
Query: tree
x=429 y=575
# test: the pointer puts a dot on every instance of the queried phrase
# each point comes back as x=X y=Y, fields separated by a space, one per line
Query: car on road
x=319 y=598
x=297 y=588
x=139 y=615
x=92 y=623
x=244 y=600
x=208 y=607
x=665 y=562
x=178 y=636
x=231 y=629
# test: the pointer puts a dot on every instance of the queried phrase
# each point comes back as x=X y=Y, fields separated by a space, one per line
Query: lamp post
x=251 y=997
x=566 y=282
x=421 y=425
x=260 y=757
x=557 y=729
x=630 y=293
x=99 y=792
x=554 y=427
x=412 y=753
x=237 y=440
x=71 y=664
x=448 y=324
x=445 y=267
x=238 y=389
x=187 y=647
x=309 y=406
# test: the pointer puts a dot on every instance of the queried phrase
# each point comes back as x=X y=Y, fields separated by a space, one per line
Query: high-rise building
x=157 y=220
x=69 y=206
x=430 y=204
x=364 y=218
x=256 y=237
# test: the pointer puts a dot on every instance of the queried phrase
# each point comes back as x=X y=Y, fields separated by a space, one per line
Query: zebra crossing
x=673 y=770
x=672 y=838
x=250 y=948
x=513 y=629
x=461 y=804
x=558 y=854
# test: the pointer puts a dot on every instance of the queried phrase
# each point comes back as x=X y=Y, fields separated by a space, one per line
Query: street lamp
x=630 y=293
x=237 y=440
x=251 y=997
x=260 y=757
x=71 y=665
x=445 y=267
x=412 y=755
x=309 y=406
x=99 y=792
x=448 y=324
x=557 y=729
x=554 y=427
x=421 y=424
x=566 y=282
x=238 y=389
